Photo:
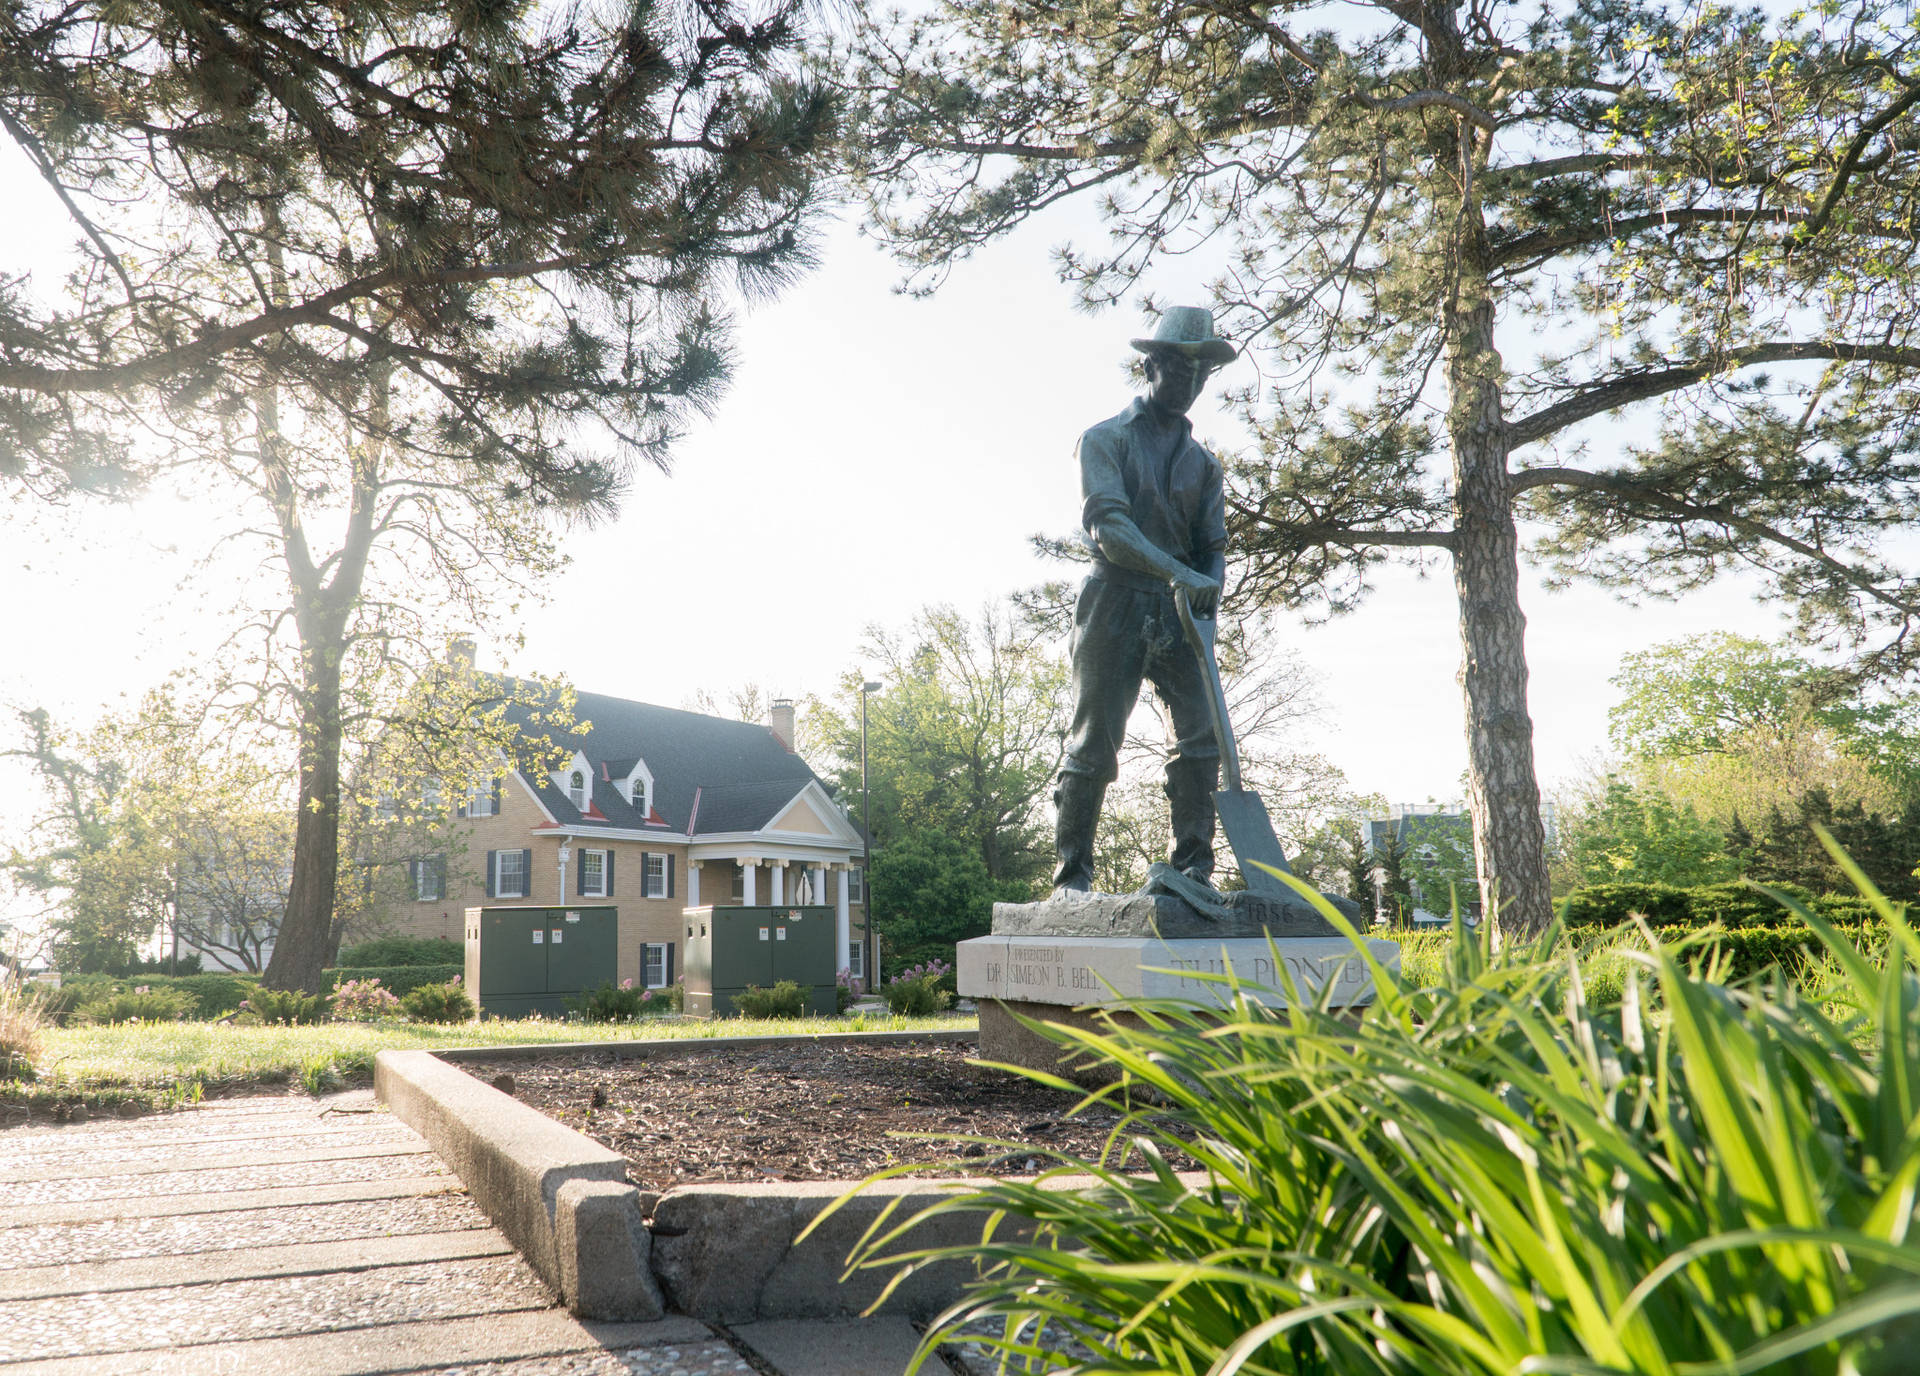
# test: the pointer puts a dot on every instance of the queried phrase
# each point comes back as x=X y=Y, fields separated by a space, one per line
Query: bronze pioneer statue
x=1154 y=510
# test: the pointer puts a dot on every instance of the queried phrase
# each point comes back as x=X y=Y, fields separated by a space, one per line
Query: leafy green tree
x=422 y=276
x=154 y=830
x=1452 y=235
x=1436 y=858
x=963 y=739
x=932 y=891
x=1640 y=835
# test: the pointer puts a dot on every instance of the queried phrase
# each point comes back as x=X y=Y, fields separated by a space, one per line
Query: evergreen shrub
x=438 y=1002
x=287 y=1007
x=138 y=1003
x=1730 y=905
x=402 y=950
x=785 y=1000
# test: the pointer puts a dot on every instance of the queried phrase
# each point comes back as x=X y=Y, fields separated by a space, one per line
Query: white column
x=693 y=883
x=819 y=883
x=779 y=868
x=748 y=872
x=842 y=920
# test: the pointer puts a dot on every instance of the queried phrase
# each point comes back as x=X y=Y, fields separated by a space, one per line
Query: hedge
x=403 y=950
x=398 y=979
x=1730 y=905
x=1751 y=950
x=214 y=996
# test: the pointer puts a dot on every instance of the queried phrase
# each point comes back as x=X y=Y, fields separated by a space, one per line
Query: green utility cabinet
x=523 y=960
x=728 y=948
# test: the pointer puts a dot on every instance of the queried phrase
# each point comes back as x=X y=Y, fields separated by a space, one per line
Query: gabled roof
x=744 y=776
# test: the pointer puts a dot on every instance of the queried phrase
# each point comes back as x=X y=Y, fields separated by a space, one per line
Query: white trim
x=603 y=854
x=639 y=771
x=646 y=875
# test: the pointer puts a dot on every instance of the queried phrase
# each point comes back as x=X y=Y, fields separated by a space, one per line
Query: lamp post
x=566 y=854
x=866 y=846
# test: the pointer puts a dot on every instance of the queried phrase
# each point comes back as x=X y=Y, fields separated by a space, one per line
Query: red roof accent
x=593 y=811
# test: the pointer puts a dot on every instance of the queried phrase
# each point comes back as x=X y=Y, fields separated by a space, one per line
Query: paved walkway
x=320 y=1237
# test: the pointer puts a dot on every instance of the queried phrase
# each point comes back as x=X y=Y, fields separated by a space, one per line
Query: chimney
x=780 y=721
x=460 y=652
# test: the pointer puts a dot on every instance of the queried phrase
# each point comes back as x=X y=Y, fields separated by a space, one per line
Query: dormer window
x=639 y=798
x=577 y=790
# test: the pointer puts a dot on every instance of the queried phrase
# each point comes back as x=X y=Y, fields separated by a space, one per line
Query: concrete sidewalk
x=320 y=1237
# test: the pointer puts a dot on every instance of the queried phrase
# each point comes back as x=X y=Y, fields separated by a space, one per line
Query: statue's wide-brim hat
x=1188 y=330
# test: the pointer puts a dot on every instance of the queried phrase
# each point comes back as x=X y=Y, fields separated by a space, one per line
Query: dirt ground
x=805 y=1110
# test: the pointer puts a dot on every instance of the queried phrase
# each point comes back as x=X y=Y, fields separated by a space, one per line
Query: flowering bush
x=846 y=988
x=363 y=1000
x=916 y=990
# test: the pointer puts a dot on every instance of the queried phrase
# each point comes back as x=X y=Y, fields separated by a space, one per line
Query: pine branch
x=1653 y=382
x=1681 y=509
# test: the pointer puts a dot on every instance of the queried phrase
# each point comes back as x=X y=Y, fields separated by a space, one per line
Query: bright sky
x=876 y=454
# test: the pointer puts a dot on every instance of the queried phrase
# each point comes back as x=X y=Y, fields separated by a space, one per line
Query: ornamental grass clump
x=23 y=1024
x=141 y=1003
x=1490 y=1172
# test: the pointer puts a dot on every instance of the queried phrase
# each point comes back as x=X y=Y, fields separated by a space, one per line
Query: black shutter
x=526 y=873
x=669 y=888
x=460 y=810
x=669 y=970
x=497 y=791
x=439 y=863
x=580 y=873
x=493 y=868
x=609 y=871
x=413 y=881
x=645 y=871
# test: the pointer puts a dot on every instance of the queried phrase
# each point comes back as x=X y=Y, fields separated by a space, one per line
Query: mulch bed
x=805 y=1110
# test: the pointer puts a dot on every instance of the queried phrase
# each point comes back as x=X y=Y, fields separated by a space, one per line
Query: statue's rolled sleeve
x=1103 y=487
x=1210 y=521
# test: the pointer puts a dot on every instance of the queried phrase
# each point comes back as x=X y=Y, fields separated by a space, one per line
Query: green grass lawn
x=163 y=1064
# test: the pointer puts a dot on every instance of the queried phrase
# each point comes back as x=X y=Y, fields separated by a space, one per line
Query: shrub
x=676 y=996
x=438 y=1002
x=363 y=1000
x=23 y=1018
x=286 y=1007
x=57 y=1002
x=785 y=1000
x=141 y=1003
x=917 y=990
x=402 y=950
x=845 y=990
x=397 y=978
x=1730 y=905
x=622 y=1004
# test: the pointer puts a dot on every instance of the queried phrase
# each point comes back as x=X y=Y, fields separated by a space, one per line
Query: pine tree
x=1706 y=212
x=404 y=277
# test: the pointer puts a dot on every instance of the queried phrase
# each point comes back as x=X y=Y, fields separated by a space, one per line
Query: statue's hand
x=1203 y=593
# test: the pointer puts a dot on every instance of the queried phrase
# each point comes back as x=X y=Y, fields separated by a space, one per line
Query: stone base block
x=1159 y=915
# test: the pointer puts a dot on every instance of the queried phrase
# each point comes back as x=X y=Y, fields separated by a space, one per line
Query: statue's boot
x=1078 y=803
x=1189 y=788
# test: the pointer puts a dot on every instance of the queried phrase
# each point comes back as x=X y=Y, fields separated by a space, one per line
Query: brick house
x=656 y=811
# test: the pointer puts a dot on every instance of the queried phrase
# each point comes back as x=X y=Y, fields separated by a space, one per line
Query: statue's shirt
x=1168 y=486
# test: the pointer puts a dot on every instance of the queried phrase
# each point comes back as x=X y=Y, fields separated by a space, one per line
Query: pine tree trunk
x=304 y=946
x=1509 y=842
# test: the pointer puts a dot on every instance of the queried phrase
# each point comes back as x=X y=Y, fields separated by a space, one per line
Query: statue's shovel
x=1242 y=815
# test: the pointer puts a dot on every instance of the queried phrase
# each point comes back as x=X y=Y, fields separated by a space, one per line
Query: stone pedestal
x=1062 y=979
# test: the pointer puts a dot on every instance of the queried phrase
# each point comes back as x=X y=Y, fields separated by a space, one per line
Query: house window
x=593 y=874
x=429 y=795
x=856 y=885
x=656 y=964
x=480 y=801
x=510 y=874
x=739 y=881
x=577 y=790
x=656 y=876
x=638 y=796
x=857 y=959
x=429 y=879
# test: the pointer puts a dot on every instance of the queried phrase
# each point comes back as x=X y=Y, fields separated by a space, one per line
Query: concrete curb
x=560 y=1197
x=722 y=1253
